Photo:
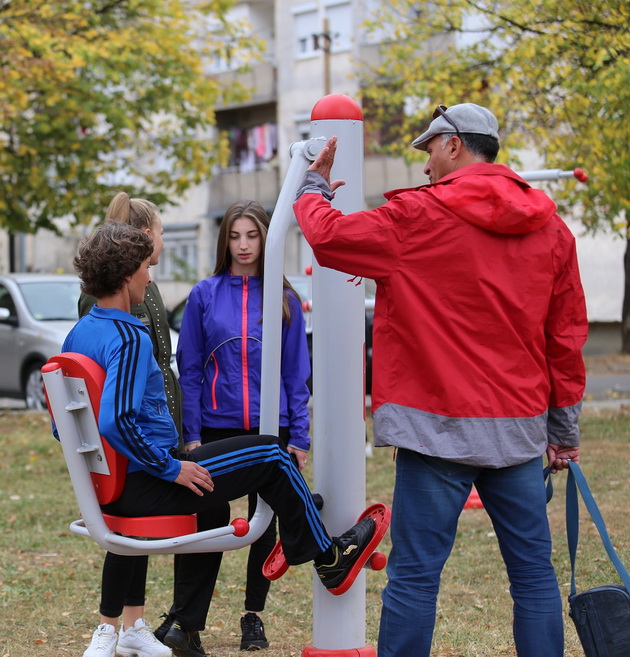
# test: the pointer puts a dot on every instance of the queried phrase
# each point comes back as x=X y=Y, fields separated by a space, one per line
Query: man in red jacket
x=478 y=372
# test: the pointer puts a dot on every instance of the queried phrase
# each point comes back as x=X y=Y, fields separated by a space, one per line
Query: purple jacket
x=219 y=359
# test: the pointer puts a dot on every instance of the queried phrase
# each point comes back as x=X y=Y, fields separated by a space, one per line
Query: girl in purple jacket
x=219 y=360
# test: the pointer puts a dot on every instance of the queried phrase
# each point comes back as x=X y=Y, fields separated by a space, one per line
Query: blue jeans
x=429 y=496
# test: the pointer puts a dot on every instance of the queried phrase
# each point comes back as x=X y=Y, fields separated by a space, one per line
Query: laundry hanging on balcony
x=252 y=147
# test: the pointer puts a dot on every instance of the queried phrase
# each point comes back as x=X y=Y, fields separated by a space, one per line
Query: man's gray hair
x=481 y=146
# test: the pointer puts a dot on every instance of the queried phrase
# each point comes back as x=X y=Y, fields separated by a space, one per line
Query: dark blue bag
x=601 y=615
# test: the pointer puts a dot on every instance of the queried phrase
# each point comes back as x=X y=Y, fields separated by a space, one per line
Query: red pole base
x=366 y=651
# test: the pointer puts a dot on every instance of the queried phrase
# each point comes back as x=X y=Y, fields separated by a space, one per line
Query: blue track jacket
x=134 y=415
x=219 y=360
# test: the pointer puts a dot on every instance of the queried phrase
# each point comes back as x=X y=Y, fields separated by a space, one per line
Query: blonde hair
x=136 y=212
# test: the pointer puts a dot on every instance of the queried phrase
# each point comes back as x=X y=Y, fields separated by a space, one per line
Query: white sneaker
x=103 y=642
x=139 y=641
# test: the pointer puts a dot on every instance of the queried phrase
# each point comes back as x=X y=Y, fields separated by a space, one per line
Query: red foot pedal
x=276 y=565
x=382 y=516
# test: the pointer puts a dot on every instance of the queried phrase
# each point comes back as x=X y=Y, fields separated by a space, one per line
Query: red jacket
x=479 y=310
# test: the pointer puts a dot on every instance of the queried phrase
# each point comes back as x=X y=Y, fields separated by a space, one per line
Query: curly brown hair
x=113 y=252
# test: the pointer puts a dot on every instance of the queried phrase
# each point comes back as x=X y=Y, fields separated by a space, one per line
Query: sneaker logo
x=349 y=549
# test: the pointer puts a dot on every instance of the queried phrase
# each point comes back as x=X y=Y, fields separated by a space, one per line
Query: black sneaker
x=182 y=642
x=161 y=631
x=253 y=633
x=347 y=548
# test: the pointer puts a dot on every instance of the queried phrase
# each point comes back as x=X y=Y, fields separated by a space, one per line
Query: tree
x=99 y=93
x=556 y=74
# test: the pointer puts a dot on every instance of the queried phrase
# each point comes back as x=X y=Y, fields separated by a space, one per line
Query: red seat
x=73 y=384
x=109 y=486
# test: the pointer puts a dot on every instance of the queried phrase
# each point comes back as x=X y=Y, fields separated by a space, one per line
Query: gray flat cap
x=468 y=117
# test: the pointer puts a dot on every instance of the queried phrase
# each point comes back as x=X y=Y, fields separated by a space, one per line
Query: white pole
x=272 y=290
x=338 y=389
x=553 y=174
x=272 y=309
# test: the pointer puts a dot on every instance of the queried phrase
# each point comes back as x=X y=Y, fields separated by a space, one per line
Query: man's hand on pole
x=324 y=161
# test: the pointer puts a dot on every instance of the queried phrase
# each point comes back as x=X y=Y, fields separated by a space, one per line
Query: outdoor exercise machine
x=553 y=174
x=73 y=384
x=338 y=368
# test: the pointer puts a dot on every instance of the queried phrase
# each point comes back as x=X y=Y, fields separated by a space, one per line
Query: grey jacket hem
x=479 y=442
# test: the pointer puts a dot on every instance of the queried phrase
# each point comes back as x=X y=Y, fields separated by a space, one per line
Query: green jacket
x=152 y=313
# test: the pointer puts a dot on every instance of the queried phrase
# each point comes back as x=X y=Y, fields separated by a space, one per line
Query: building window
x=303 y=125
x=382 y=27
x=306 y=26
x=340 y=26
x=180 y=257
x=388 y=122
x=309 y=28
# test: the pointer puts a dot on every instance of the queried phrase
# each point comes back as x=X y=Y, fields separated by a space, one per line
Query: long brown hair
x=254 y=211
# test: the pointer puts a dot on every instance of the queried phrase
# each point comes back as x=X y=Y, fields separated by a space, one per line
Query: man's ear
x=456 y=146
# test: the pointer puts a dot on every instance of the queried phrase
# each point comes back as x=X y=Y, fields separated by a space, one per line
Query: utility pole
x=12 y=254
x=328 y=41
x=323 y=41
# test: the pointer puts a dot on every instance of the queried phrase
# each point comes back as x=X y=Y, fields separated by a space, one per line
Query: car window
x=177 y=314
x=50 y=300
x=6 y=301
x=302 y=285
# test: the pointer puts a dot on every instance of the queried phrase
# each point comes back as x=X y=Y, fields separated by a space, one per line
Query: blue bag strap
x=549 y=484
x=575 y=476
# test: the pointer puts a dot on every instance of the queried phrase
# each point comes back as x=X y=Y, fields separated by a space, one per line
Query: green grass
x=50 y=578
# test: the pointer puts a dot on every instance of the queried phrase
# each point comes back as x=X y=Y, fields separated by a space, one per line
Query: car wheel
x=34 y=388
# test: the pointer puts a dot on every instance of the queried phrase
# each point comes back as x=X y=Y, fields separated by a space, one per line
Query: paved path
x=607 y=390
x=608 y=385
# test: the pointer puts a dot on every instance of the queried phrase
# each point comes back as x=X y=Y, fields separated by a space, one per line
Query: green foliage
x=555 y=73
x=94 y=94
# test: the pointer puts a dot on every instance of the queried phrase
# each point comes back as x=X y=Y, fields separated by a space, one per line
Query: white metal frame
x=79 y=436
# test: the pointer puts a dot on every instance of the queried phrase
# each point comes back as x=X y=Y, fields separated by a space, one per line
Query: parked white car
x=37 y=311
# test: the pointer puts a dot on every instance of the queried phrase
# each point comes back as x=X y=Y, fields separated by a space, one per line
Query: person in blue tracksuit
x=113 y=264
x=128 y=602
x=219 y=360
